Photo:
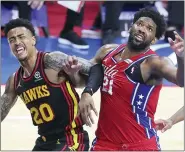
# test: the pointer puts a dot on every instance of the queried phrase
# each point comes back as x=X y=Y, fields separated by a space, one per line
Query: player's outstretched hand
x=178 y=45
x=86 y=104
x=163 y=125
x=71 y=65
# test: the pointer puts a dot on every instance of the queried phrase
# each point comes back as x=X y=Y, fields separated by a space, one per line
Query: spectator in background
x=67 y=35
x=24 y=7
x=111 y=25
x=175 y=18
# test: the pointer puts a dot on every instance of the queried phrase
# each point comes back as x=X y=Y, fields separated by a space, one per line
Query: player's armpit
x=163 y=67
x=9 y=98
x=102 y=52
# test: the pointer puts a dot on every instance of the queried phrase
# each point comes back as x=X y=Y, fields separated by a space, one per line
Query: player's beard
x=136 y=45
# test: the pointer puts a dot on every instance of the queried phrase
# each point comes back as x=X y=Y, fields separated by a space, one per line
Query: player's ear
x=33 y=40
x=154 y=41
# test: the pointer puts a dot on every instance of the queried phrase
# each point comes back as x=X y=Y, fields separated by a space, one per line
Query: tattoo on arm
x=8 y=99
x=54 y=60
x=86 y=65
x=6 y=105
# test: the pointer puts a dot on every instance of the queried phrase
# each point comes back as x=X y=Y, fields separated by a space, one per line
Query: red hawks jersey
x=127 y=106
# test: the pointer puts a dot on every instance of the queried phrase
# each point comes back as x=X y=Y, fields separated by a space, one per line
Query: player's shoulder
x=103 y=51
x=10 y=81
x=156 y=61
x=108 y=47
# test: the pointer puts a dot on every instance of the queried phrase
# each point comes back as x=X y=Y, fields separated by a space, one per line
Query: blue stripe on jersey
x=139 y=101
x=93 y=143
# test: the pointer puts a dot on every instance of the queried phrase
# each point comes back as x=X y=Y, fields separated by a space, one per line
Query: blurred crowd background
x=72 y=21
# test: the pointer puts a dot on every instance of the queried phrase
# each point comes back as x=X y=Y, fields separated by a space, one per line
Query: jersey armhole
x=16 y=80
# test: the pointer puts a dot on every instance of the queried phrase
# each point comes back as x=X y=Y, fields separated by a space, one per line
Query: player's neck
x=29 y=64
x=131 y=52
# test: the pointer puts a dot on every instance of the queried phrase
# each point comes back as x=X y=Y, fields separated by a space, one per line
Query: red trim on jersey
x=71 y=103
x=115 y=50
x=15 y=79
x=65 y=146
x=80 y=141
x=45 y=76
x=78 y=120
x=71 y=139
x=83 y=147
x=34 y=70
x=68 y=140
x=68 y=99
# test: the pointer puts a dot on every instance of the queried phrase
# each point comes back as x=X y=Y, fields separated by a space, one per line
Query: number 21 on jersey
x=107 y=85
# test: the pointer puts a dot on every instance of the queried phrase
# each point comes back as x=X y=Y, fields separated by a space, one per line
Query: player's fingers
x=83 y=115
x=66 y=62
x=159 y=121
x=33 y=4
x=75 y=60
x=171 y=41
x=179 y=45
x=165 y=128
x=157 y=127
x=180 y=49
x=90 y=116
x=64 y=67
x=77 y=67
x=177 y=37
x=87 y=115
x=40 y=5
x=70 y=60
x=29 y=2
x=94 y=109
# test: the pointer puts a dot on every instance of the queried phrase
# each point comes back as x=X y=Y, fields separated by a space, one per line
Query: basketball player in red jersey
x=133 y=75
x=46 y=91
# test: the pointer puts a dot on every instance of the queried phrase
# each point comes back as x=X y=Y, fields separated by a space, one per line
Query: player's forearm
x=180 y=72
x=86 y=66
x=178 y=116
x=95 y=79
x=4 y=113
x=79 y=79
x=6 y=105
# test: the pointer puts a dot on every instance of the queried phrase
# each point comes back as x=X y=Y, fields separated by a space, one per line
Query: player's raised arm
x=164 y=68
x=9 y=98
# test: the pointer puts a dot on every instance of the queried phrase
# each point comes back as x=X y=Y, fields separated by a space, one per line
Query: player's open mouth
x=20 y=50
x=139 y=37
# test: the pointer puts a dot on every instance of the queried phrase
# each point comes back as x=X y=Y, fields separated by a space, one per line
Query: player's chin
x=22 y=57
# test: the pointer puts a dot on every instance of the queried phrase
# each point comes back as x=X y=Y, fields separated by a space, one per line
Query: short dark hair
x=155 y=16
x=19 y=22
